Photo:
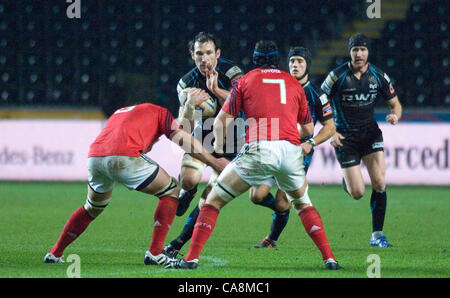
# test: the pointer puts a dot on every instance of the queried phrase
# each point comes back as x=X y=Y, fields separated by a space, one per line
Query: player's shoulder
x=151 y=106
x=378 y=72
x=189 y=79
x=333 y=76
x=228 y=68
x=340 y=70
x=310 y=86
x=223 y=64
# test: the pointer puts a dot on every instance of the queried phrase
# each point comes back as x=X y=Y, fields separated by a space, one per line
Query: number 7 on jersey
x=282 y=87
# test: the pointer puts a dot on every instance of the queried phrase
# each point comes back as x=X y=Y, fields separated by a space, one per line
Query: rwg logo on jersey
x=359 y=97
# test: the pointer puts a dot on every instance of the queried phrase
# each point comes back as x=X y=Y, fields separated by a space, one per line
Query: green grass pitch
x=32 y=215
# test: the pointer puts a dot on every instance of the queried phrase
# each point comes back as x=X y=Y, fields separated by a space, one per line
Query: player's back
x=131 y=131
x=273 y=102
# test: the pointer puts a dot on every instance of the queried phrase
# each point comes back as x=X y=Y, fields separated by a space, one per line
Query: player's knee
x=281 y=202
x=256 y=197
x=357 y=193
x=379 y=184
x=189 y=183
x=300 y=202
x=258 y=194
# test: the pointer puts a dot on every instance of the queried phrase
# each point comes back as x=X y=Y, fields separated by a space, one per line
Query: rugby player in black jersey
x=353 y=89
x=212 y=76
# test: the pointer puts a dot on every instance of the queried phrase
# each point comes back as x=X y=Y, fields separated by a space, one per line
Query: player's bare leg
x=313 y=224
x=376 y=167
x=354 y=181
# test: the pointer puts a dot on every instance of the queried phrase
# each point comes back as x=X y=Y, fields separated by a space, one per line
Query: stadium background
x=53 y=67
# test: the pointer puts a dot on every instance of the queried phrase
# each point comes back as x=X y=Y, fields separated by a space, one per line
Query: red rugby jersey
x=273 y=102
x=132 y=130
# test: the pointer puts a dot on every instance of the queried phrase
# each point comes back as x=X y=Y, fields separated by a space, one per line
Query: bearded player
x=273 y=149
x=353 y=89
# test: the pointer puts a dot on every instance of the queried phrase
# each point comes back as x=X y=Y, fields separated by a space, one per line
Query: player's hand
x=196 y=96
x=336 y=140
x=220 y=164
x=392 y=119
x=306 y=148
x=212 y=78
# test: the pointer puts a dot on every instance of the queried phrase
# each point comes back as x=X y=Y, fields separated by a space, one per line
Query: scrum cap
x=266 y=54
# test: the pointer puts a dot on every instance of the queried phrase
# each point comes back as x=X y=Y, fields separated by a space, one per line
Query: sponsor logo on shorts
x=377 y=145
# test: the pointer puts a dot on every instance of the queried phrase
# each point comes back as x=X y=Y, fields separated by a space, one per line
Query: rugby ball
x=208 y=108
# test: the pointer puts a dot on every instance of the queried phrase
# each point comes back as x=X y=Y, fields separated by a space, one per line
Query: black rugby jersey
x=228 y=73
x=318 y=103
x=353 y=100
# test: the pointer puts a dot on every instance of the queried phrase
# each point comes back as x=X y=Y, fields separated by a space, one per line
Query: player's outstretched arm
x=396 y=111
x=192 y=146
x=221 y=122
x=327 y=131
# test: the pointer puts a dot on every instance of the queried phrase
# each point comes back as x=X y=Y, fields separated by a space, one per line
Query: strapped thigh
x=168 y=190
x=224 y=192
x=98 y=205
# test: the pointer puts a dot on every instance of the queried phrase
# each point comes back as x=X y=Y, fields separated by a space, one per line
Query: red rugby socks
x=314 y=227
x=163 y=219
x=204 y=227
x=75 y=225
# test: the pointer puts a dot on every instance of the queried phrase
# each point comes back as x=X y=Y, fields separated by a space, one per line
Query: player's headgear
x=304 y=53
x=266 y=54
x=358 y=40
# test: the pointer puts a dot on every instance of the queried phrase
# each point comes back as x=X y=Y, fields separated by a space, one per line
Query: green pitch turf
x=32 y=215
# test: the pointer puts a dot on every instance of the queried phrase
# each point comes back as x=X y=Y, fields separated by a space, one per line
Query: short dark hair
x=202 y=37
x=266 y=54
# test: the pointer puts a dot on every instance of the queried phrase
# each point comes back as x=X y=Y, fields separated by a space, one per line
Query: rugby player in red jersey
x=118 y=155
x=273 y=102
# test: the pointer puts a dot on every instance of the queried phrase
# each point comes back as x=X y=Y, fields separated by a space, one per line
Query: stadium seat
x=149 y=38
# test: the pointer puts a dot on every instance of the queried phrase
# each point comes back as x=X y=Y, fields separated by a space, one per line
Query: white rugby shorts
x=259 y=162
x=133 y=172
